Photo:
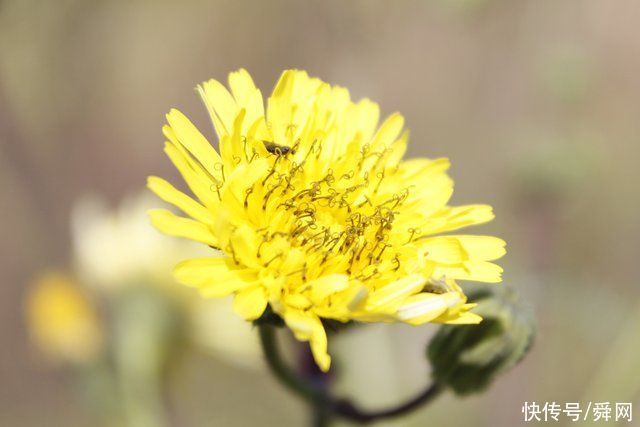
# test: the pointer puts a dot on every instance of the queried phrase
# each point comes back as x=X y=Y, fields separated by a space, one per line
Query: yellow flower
x=317 y=214
x=62 y=322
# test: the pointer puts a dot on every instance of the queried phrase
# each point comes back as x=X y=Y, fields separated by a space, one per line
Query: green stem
x=321 y=416
x=285 y=374
x=324 y=405
x=348 y=410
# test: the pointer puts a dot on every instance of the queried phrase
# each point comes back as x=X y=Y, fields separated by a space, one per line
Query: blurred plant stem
x=146 y=331
x=348 y=410
x=98 y=388
x=316 y=396
x=326 y=407
x=142 y=405
x=285 y=374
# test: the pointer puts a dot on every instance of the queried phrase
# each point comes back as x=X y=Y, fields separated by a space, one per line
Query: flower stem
x=284 y=373
x=324 y=405
x=321 y=416
x=348 y=410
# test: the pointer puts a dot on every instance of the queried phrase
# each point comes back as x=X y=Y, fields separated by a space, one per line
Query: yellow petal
x=242 y=86
x=203 y=187
x=388 y=132
x=479 y=271
x=195 y=271
x=466 y=318
x=245 y=243
x=423 y=168
x=453 y=218
x=250 y=303
x=327 y=285
x=240 y=188
x=485 y=248
x=368 y=114
x=443 y=250
x=397 y=150
x=297 y=301
x=221 y=105
x=300 y=323
x=290 y=105
x=430 y=186
x=422 y=308
x=173 y=225
x=170 y=194
x=214 y=277
x=396 y=291
x=191 y=138
x=458 y=249
x=319 y=348
x=344 y=303
x=307 y=326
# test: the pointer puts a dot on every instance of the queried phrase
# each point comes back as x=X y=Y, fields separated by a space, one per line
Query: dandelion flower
x=316 y=213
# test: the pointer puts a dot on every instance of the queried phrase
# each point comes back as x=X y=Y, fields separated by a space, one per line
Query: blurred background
x=535 y=103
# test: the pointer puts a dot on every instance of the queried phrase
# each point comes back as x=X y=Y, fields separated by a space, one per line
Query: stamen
x=220 y=167
x=273 y=259
x=248 y=192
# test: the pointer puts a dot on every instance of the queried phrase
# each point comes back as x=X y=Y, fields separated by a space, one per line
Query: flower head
x=316 y=213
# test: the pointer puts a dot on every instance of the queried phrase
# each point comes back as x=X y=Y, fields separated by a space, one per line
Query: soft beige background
x=535 y=102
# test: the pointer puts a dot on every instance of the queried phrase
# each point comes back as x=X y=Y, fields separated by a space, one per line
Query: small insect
x=279 y=150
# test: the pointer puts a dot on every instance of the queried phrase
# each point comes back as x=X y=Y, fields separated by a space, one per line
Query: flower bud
x=468 y=357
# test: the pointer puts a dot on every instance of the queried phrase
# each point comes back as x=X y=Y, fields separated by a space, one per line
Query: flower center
x=346 y=212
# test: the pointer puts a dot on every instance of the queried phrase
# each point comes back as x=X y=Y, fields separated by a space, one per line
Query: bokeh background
x=535 y=102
